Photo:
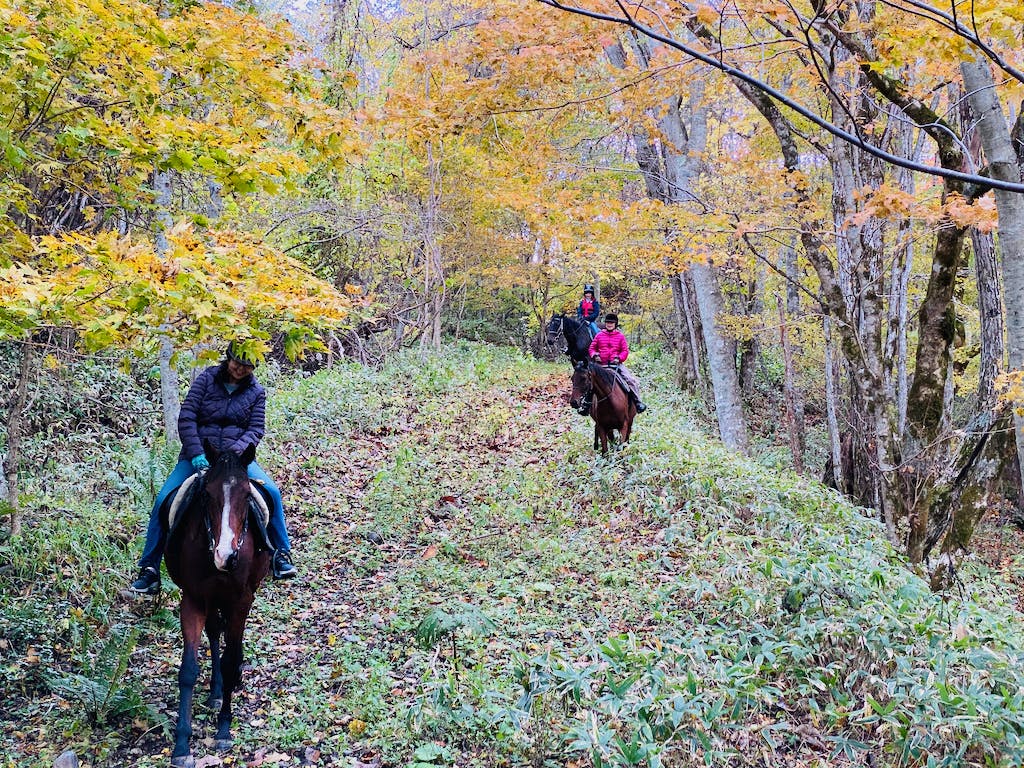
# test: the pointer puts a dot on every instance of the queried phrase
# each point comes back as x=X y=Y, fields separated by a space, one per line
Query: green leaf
x=428 y=753
x=440 y=623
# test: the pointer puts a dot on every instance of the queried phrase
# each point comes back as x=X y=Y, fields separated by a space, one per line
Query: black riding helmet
x=239 y=357
x=611 y=317
x=588 y=288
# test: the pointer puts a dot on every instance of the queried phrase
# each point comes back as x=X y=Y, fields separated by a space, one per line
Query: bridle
x=587 y=399
x=559 y=332
x=208 y=517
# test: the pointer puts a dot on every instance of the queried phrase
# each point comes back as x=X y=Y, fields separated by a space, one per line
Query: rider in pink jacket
x=610 y=347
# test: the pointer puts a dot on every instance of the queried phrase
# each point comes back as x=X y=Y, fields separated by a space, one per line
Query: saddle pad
x=256 y=494
x=183 y=495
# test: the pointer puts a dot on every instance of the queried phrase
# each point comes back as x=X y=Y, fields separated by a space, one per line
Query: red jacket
x=609 y=345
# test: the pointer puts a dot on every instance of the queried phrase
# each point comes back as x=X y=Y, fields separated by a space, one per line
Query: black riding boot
x=640 y=405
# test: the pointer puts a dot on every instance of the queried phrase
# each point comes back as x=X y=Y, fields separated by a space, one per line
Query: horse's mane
x=605 y=374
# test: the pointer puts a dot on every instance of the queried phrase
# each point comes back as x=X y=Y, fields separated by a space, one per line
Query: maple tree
x=101 y=98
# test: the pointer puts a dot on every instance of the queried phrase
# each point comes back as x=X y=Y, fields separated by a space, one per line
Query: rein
x=588 y=400
x=561 y=332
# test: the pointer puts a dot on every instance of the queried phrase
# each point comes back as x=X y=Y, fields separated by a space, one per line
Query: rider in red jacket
x=610 y=347
x=589 y=309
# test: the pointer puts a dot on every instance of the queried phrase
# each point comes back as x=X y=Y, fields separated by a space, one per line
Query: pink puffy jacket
x=609 y=345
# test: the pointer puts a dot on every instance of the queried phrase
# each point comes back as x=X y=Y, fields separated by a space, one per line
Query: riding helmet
x=611 y=317
x=588 y=288
x=239 y=357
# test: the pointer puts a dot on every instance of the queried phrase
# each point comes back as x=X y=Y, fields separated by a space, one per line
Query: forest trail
x=479 y=588
x=312 y=641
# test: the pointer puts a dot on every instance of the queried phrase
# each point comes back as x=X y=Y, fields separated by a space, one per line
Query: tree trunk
x=895 y=356
x=839 y=478
x=170 y=393
x=687 y=363
x=15 y=432
x=433 y=263
x=924 y=446
x=985 y=474
x=680 y=168
x=721 y=360
x=990 y=312
x=671 y=178
x=794 y=420
x=750 y=349
x=861 y=277
x=795 y=392
x=1004 y=165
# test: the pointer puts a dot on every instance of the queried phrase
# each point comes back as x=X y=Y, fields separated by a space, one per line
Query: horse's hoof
x=223 y=745
x=185 y=761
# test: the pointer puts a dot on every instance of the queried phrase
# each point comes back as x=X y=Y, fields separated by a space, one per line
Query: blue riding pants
x=153 y=551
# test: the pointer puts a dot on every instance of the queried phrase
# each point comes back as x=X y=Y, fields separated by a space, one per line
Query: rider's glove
x=596 y=358
x=200 y=463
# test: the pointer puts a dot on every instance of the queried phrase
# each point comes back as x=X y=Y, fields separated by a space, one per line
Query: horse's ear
x=210 y=451
x=249 y=454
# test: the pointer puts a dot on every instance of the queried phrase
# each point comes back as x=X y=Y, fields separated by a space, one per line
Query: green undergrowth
x=676 y=603
x=479 y=588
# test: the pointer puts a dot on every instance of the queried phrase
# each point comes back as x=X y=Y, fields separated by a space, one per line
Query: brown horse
x=214 y=556
x=596 y=391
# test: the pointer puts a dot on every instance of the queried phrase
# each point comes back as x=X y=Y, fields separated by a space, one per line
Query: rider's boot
x=283 y=568
x=640 y=405
x=147 y=583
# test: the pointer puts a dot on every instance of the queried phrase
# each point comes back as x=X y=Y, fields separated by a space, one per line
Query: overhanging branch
x=628 y=21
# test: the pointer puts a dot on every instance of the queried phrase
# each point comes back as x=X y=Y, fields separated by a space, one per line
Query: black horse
x=577 y=335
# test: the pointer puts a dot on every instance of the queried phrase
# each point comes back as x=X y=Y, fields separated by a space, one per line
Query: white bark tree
x=1004 y=166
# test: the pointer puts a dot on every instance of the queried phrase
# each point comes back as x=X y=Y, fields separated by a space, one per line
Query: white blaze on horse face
x=225 y=544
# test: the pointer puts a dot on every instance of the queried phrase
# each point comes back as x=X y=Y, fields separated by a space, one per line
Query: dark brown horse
x=596 y=391
x=214 y=556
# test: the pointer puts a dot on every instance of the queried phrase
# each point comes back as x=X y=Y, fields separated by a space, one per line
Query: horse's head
x=582 y=387
x=227 y=490
x=554 y=329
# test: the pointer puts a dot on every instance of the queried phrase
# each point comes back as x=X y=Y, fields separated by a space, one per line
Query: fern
x=440 y=623
x=102 y=688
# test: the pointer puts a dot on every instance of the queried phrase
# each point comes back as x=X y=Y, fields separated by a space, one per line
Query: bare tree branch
x=627 y=20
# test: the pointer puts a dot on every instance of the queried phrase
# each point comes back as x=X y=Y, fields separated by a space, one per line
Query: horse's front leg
x=214 y=626
x=192 y=619
x=597 y=432
x=627 y=427
x=231 y=669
